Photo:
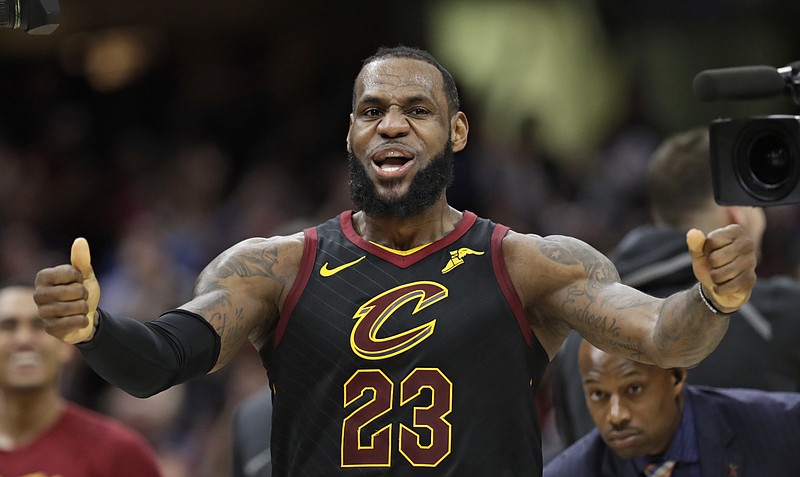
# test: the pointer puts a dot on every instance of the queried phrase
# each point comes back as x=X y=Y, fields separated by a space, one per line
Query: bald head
x=636 y=407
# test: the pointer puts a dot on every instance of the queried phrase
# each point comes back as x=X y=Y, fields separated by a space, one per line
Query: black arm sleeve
x=144 y=359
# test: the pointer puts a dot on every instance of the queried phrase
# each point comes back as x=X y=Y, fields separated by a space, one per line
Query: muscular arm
x=239 y=295
x=241 y=292
x=565 y=284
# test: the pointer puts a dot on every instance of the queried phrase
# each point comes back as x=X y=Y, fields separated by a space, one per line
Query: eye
x=418 y=111
x=596 y=395
x=372 y=112
x=635 y=389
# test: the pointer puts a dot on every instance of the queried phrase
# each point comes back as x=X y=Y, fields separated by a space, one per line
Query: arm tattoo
x=572 y=252
x=578 y=304
x=582 y=297
x=216 y=302
x=555 y=251
x=227 y=327
x=251 y=264
x=243 y=265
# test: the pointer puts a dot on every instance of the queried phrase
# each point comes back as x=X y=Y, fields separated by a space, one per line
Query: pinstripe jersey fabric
x=404 y=365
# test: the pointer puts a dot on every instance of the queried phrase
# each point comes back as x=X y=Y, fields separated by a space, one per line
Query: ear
x=459 y=130
x=679 y=379
x=349 y=128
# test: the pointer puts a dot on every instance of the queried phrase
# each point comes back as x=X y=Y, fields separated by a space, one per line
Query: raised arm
x=565 y=284
x=238 y=296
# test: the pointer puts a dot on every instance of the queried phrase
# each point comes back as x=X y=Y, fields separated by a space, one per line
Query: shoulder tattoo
x=250 y=264
x=569 y=251
x=246 y=264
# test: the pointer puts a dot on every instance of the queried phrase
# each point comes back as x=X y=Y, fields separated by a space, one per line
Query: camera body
x=755 y=161
x=37 y=17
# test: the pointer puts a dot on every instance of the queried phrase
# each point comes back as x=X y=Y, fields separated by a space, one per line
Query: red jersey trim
x=501 y=272
x=303 y=275
x=404 y=261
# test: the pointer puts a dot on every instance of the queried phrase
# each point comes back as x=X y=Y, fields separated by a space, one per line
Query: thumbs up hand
x=68 y=295
x=724 y=263
x=82 y=260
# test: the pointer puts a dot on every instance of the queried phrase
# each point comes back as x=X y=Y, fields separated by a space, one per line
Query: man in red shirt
x=41 y=433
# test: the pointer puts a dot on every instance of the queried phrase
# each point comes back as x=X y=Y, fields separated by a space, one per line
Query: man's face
x=30 y=359
x=402 y=137
x=636 y=407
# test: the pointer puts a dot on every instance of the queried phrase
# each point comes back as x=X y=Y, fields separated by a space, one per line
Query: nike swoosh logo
x=327 y=272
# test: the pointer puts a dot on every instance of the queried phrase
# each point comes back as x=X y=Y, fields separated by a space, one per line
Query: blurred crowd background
x=165 y=132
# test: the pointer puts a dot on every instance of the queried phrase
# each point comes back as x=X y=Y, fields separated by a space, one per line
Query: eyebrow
x=374 y=99
x=627 y=374
x=19 y=318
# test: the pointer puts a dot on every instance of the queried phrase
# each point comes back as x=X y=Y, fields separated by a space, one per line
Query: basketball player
x=407 y=337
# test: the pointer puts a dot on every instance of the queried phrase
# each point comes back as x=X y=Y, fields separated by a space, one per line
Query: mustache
x=426 y=187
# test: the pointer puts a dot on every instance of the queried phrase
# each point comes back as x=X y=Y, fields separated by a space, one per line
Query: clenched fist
x=724 y=262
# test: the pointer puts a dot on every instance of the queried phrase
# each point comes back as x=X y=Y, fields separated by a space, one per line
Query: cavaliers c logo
x=373 y=314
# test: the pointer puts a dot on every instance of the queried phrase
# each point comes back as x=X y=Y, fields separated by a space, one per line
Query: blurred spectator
x=41 y=433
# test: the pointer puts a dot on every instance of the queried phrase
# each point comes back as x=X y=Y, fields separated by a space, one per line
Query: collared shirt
x=682 y=449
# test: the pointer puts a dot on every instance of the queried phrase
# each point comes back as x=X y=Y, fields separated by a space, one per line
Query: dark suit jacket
x=740 y=433
x=252 y=429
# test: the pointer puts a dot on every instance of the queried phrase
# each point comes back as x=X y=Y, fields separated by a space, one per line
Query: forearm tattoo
x=686 y=323
x=583 y=301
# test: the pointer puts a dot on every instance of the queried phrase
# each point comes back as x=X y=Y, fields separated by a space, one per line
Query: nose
x=393 y=124
x=618 y=413
x=23 y=335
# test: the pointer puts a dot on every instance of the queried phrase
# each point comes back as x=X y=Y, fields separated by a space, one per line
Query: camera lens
x=770 y=161
x=766 y=161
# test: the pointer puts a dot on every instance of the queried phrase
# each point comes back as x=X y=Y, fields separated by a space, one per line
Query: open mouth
x=391 y=162
x=25 y=358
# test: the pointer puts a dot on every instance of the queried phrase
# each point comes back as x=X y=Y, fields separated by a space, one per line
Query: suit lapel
x=719 y=453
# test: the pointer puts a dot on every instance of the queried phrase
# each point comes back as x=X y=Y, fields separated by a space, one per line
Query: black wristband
x=144 y=359
x=708 y=303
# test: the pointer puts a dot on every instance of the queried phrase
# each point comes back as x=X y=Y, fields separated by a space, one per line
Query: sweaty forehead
x=398 y=76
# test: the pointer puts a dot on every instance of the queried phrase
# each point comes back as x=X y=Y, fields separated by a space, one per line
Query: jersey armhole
x=303 y=275
x=504 y=280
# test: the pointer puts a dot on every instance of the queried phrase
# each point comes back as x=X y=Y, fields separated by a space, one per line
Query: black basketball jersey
x=417 y=364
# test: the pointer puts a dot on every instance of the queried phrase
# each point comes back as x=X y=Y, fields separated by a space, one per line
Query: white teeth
x=394 y=154
x=390 y=167
x=25 y=358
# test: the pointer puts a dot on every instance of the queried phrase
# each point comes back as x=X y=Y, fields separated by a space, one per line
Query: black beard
x=426 y=187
